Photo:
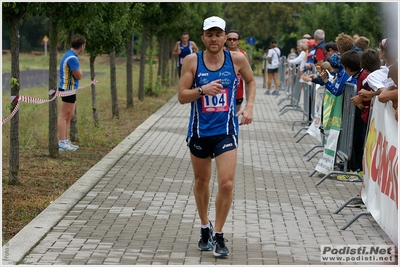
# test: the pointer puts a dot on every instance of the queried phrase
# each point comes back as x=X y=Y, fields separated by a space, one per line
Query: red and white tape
x=34 y=100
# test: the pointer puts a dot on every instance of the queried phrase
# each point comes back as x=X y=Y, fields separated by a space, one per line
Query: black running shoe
x=205 y=242
x=356 y=203
x=220 y=250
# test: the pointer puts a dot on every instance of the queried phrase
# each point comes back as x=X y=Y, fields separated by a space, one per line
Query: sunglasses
x=232 y=39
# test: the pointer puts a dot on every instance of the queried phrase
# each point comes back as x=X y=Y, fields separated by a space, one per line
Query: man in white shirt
x=274 y=54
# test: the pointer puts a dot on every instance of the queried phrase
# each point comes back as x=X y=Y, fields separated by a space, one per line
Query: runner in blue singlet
x=209 y=82
x=183 y=48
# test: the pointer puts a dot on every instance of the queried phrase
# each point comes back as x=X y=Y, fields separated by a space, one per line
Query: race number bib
x=181 y=60
x=216 y=103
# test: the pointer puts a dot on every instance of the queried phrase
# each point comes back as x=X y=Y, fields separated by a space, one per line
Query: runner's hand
x=212 y=88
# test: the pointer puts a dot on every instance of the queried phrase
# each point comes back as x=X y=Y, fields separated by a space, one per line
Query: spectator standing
x=70 y=74
x=273 y=64
x=370 y=62
x=307 y=36
x=232 y=42
x=301 y=48
x=183 y=48
x=213 y=125
x=292 y=55
x=362 y=42
x=336 y=87
x=390 y=94
x=310 y=56
x=351 y=63
x=345 y=43
x=330 y=49
x=378 y=80
x=319 y=54
x=300 y=59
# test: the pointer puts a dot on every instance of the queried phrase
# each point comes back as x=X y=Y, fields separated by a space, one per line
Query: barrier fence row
x=330 y=120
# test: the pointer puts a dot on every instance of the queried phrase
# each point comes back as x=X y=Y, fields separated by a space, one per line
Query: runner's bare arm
x=176 y=50
x=242 y=64
x=194 y=47
x=77 y=74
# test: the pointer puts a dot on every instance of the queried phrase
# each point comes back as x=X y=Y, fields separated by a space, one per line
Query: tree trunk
x=173 y=66
x=129 y=75
x=151 y=60
x=164 y=55
x=15 y=88
x=94 y=101
x=160 y=58
x=142 y=62
x=113 y=80
x=73 y=129
x=53 y=74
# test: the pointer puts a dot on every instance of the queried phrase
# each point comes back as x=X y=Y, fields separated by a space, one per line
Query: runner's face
x=232 y=41
x=214 y=39
x=185 y=39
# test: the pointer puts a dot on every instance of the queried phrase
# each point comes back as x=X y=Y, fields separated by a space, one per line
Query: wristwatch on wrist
x=200 y=91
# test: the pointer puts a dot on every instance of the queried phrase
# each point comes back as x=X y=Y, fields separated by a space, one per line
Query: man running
x=209 y=84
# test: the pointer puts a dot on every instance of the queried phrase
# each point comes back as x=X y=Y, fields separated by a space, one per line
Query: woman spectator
x=301 y=49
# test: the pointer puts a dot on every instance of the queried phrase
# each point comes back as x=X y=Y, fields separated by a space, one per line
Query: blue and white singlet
x=214 y=115
x=185 y=50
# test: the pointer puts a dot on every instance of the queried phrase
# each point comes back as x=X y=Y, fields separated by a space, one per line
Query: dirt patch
x=30 y=78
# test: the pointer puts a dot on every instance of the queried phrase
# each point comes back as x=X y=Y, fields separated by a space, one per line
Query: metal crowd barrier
x=349 y=134
x=321 y=129
x=307 y=112
x=294 y=97
x=308 y=104
x=282 y=73
x=290 y=76
x=345 y=142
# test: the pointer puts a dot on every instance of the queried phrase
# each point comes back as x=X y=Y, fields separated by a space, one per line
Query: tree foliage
x=261 y=20
x=363 y=18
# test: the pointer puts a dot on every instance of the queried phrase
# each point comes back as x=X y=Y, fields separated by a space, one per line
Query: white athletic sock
x=216 y=233
x=206 y=225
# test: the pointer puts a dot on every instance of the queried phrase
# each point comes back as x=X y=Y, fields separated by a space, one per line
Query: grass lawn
x=43 y=179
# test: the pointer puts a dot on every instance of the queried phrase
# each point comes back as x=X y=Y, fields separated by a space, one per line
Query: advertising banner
x=314 y=130
x=332 y=121
x=380 y=165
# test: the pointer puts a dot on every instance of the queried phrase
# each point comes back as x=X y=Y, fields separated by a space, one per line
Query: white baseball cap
x=214 y=22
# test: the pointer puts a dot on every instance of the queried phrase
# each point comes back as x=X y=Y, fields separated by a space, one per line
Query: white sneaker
x=64 y=146
x=72 y=145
